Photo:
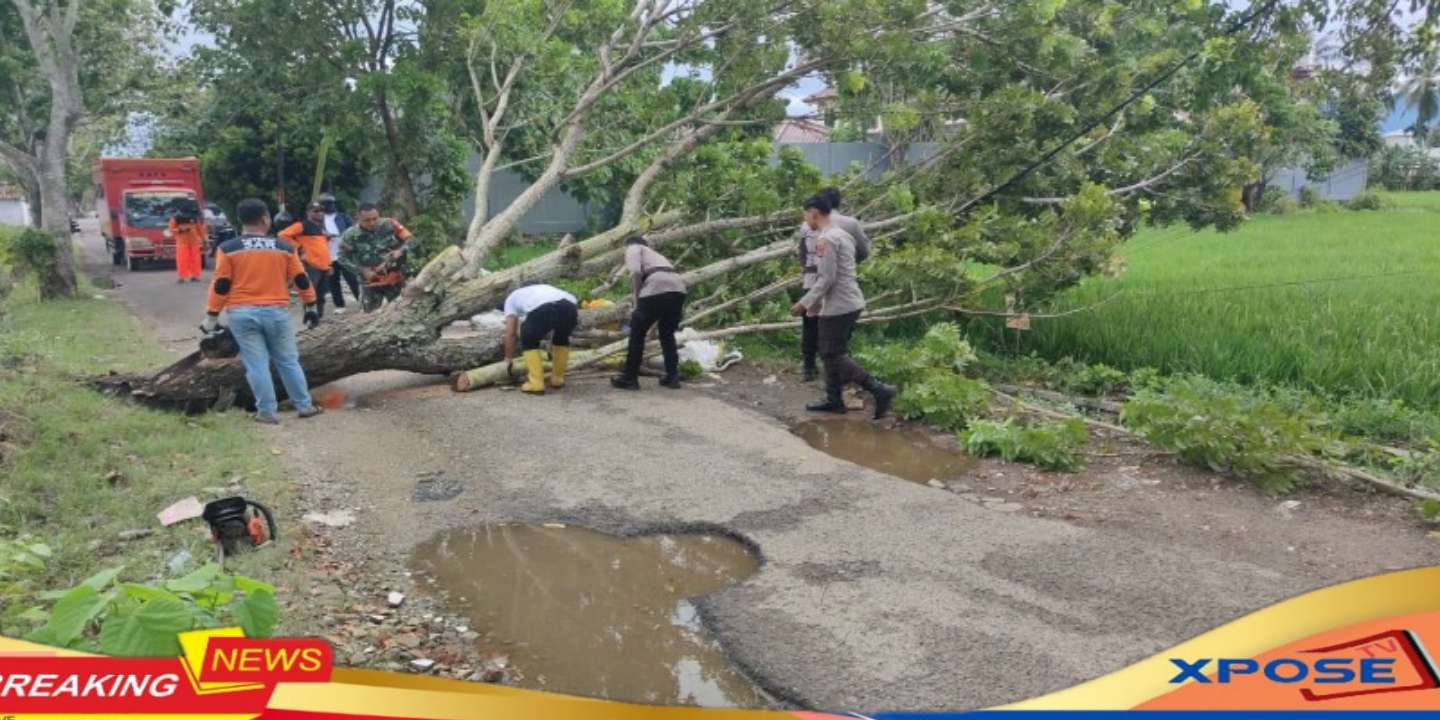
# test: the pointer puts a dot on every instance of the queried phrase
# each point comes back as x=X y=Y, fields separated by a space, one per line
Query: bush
x=1270 y=198
x=1389 y=421
x=1228 y=429
x=1368 y=201
x=1286 y=205
x=944 y=399
x=941 y=348
x=1078 y=378
x=1053 y=445
x=1308 y=197
x=133 y=620
x=29 y=253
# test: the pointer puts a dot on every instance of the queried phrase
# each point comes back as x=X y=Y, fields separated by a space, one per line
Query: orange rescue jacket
x=190 y=233
x=257 y=270
x=310 y=242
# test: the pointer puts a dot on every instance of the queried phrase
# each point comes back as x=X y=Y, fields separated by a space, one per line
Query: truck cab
x=135 y=199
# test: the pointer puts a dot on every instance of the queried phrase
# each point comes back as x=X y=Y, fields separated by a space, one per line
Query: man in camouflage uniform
x=376 y=247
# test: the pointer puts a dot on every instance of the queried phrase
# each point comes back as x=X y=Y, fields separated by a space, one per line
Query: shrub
x=1270 y=197
x=135 y=620
x=1390 y=421
x=941 y=348
x=1078 y=378
x=944 y=399
x=22 y=562
x=1308 y=197
x=1228 y=429
x=1285 y=205
x=1428 y=510
x=1053 y=445
x=29 y=253
x=1368 y=201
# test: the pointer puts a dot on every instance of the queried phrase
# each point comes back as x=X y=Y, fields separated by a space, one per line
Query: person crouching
x=659 y=295
x=534 y=312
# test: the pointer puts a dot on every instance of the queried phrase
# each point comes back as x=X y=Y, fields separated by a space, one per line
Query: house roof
x=800 y=131
x=826 y=94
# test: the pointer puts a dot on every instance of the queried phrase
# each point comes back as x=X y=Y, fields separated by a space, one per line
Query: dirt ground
x=874 y=592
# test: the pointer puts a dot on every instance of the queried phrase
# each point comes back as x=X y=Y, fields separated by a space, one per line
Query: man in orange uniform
x=252 y=280
x=309 y=239
x=188 y=232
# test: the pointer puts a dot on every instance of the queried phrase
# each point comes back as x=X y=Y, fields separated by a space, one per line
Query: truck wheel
x=135 y=264
x=117 y=253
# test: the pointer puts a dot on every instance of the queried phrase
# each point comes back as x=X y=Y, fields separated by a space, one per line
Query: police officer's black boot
x=811 y=372
x=884 y=395
x=834 y=401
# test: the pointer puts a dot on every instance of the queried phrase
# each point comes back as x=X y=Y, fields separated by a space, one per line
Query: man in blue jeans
x=252 y=278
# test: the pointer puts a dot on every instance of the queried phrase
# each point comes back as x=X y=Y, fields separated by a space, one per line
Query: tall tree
x=59 y=63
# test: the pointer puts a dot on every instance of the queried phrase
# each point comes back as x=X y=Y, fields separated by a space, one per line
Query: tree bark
x=49 y=34
x=397 y=155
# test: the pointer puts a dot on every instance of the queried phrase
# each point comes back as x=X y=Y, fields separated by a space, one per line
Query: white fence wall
x=1344 y=183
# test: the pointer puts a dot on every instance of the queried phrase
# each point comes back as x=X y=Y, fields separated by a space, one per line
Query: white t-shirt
x=333 y=231
x=522 y=301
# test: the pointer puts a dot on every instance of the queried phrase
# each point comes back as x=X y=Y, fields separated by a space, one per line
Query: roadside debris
x=334 y=518
x=129 y=535
x=395 y=599
x=187 y=509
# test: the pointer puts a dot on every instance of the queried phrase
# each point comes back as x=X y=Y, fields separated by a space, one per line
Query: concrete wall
x=1344 y=183
x=14 y=212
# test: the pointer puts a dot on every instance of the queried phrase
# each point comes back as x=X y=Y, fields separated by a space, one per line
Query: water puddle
x=907 y=453
x=591 y=614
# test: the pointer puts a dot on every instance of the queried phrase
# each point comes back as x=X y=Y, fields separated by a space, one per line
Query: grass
x=79 y=468
x=512 y=253
x=1334 y=301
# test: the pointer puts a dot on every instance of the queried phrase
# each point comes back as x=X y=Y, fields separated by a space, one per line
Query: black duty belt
x=811 y=269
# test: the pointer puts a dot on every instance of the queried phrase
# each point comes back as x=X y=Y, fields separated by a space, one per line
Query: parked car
x=220 y=227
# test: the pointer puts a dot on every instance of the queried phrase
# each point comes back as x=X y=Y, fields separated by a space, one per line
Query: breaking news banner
x=1365 y=647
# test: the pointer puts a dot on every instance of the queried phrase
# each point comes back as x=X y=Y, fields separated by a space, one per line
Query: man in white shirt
x=546 y=310
x=336 y=223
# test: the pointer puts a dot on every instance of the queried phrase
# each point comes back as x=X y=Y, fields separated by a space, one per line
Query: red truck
x=135 y=198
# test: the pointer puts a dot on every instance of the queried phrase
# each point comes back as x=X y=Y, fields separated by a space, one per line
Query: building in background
x=14 y=210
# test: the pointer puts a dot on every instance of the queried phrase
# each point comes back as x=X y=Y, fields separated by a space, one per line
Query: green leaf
x=72 y=613
x=195 y=581
x=101 y=579
x=258 y=614
x=40 y=549
x=150 y=631
x=34 y=615
x=251 y=585
x=145 y=593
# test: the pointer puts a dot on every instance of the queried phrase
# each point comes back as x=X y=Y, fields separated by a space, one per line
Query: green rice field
x=1332 y=300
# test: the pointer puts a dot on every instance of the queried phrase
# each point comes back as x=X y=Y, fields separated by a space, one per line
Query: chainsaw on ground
x=238 y=524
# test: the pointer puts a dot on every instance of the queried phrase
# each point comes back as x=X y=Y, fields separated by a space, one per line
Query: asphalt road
x=875 y=593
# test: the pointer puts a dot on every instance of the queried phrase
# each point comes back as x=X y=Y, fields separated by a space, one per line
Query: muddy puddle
x=585 y=613
x=907 y=453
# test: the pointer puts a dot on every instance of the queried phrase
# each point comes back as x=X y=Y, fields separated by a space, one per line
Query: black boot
x=834 y=401
x=670 y=381
x=625 y=382
x=884 y=395
x=811 y=371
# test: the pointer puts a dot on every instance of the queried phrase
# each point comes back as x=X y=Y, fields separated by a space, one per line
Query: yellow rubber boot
x=535 y=366
x=559 y=359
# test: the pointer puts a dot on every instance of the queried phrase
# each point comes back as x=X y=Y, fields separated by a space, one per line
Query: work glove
x=211 y=324
x=312 y=317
